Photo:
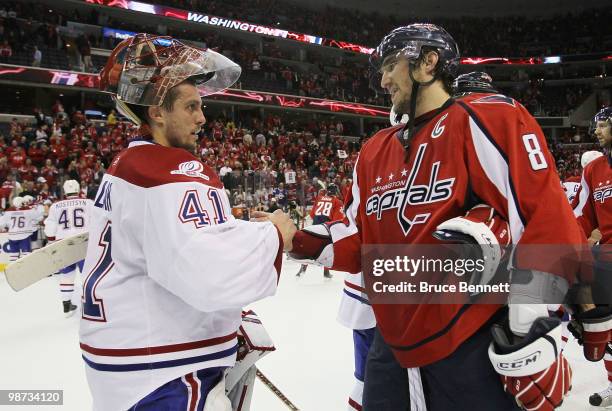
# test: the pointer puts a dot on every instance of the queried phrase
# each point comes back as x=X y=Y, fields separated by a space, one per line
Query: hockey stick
x=46 y=261
x=276 y=391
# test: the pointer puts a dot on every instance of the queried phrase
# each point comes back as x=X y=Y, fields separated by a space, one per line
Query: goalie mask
x=141 y=70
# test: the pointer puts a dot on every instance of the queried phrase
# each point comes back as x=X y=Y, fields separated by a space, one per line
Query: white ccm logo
x=412 y=194
x=519 y=362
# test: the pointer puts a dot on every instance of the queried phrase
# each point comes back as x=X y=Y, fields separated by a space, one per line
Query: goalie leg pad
x=242 y=393
x=254 y=342
x=216 y=400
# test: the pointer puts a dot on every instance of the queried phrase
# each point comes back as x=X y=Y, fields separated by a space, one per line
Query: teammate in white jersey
x=162 y=294
x=28 y=201
x=66 y=218
x=21 y=222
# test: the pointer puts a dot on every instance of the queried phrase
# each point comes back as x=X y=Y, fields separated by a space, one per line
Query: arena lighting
x=124 y=34
x=142 y=7
x=4 y=71
x=240 y=25
x=92 y=81
x=320 y=41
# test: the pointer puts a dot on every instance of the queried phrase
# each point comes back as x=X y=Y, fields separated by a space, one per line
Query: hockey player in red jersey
x=571 y=185
x=168 y=268
x=408 y=180
x=594 y=210
x=326 y=207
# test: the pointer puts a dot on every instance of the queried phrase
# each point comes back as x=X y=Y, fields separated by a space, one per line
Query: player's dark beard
x=179 y=143
x=403 y=107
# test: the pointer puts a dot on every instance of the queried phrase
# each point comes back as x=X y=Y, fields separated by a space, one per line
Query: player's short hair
x=447 y=77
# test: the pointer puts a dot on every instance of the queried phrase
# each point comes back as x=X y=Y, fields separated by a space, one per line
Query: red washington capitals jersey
x=594 y=209
x=483 y=148
x=327 y=206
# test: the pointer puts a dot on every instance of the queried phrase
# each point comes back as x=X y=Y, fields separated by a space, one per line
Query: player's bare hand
x=286 y=227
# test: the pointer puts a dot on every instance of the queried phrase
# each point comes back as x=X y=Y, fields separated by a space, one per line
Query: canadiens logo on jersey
x=603 y=191
x=398 y=195
x=191 y=169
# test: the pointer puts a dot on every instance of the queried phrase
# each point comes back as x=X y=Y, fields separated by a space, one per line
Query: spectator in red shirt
x=36 y=154
x=90 y=154
x=104 y=144
x=28 y=172
x=4 y=168
x=7 y=190
x=59 y=151
x=17 y=157
x=15 y=127
x=49 y=173
x=11 y=149
x=78 y=118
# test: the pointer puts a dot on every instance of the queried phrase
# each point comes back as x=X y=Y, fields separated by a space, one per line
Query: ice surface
x=313 y=363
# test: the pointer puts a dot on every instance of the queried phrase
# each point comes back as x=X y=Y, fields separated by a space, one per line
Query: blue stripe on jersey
x=161 y=364
x=356 y=297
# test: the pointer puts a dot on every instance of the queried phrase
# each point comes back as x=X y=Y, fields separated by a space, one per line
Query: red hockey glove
x=593 y=330
x=534 y=371
x=313 y=245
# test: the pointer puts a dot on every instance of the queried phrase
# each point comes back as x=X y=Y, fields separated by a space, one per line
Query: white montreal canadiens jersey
x=68 y=217
x=167 y=272
x=20 y=223
x=355 y=311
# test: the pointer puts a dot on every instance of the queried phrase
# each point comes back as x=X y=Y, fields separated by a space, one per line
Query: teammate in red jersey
x=326 y=207
x=571 y=185
x=594 y=210
x=408 y=180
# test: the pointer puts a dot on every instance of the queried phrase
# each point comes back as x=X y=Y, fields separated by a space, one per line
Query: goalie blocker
x=46 y=261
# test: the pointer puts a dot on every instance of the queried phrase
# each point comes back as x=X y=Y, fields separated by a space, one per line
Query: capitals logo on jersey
x=602 y=192
x=408 y=193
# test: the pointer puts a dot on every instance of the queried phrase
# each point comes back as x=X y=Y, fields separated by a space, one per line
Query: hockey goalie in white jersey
x=66 y=218
x=168 y=268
